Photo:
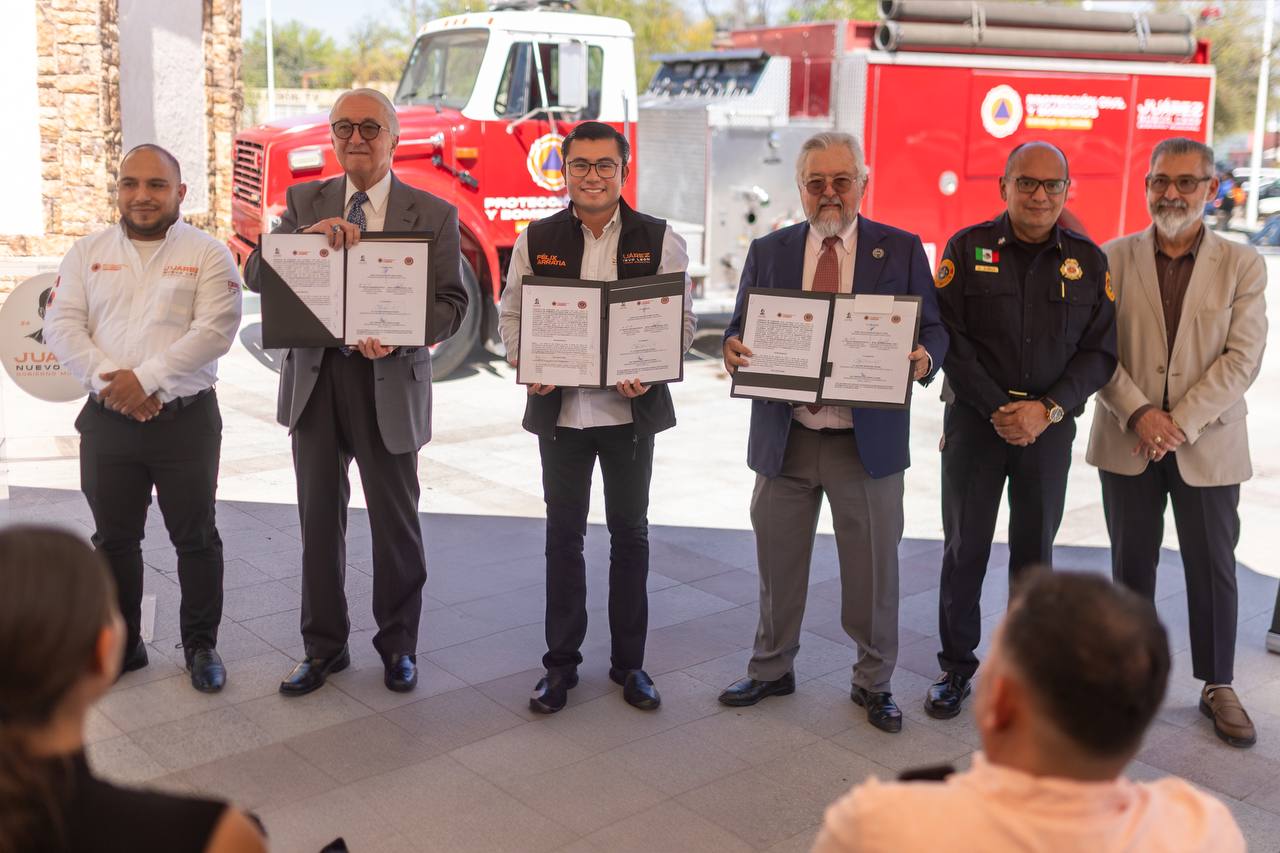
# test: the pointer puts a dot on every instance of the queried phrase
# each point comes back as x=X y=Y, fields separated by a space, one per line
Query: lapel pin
x=877 y=253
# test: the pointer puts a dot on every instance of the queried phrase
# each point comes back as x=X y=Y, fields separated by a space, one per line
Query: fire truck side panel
x=1163 y=106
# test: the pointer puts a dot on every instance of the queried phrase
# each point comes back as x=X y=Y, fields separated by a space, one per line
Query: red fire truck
x=938 y=91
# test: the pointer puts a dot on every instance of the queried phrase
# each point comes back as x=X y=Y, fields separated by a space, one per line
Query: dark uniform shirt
x=1026 y=321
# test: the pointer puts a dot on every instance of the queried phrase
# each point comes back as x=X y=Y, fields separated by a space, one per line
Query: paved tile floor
x=461 y=764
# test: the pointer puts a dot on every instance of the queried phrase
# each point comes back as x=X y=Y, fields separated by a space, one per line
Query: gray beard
x=825 y=227
x=1170 y=222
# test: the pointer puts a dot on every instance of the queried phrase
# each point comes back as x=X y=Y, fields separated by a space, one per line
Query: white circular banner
x=27 y=359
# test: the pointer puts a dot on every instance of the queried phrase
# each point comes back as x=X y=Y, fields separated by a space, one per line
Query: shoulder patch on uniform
x=946 y=272
x=1111 y=294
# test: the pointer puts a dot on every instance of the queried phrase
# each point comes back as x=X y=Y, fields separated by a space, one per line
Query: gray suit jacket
x=403 y=383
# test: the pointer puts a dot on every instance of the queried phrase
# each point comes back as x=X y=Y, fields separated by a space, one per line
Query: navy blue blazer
x=777 y=260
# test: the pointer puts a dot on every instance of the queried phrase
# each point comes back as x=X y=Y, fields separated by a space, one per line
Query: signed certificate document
x=867 y=356
x=594 y=334
x=312 y=270
x=786 y=332
x=560 y=323
x=386 y=293
x=315 y=296
x=645 y=331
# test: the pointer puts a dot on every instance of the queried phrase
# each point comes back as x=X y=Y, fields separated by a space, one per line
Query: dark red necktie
x=826 y=279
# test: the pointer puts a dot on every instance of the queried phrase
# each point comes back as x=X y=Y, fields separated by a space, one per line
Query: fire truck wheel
x=450 y=354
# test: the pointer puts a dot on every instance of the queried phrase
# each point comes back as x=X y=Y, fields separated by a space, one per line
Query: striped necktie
x=358 y=198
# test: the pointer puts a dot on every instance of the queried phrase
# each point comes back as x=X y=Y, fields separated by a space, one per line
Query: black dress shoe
x=637 y=688
x=310 y=674
x=552 y=692
x=135 y=659
x=748 y=691
x=208 y=675
x=402 y=673
x=882 y=711
x=947 y=695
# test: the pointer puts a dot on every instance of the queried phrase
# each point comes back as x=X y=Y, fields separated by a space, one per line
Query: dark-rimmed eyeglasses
x=817 y=186
x=1186 y=184
x=606 y=169
x=1052 y=186
x=369 y=130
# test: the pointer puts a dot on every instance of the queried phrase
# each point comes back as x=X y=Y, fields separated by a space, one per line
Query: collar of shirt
x=1007 y=236
x=1047 y=793
x=125 y=242
x=612 y=223
x=1192 y=252
x=848 y=239
x=377 y=194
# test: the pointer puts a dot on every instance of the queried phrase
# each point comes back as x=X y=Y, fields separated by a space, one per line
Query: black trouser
x=1208 y=526
x=626 y=463
x=340 y=423
x=976 y=462
x=176 y=452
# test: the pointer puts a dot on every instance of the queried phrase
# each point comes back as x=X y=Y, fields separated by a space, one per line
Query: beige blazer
x=1215 y=358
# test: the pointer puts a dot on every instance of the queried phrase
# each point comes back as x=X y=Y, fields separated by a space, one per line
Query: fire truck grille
x=249 y=167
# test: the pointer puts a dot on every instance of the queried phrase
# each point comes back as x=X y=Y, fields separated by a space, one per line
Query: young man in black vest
x=598 y=237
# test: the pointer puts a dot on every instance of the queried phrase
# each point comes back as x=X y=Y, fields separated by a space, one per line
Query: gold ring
x=1159 y=439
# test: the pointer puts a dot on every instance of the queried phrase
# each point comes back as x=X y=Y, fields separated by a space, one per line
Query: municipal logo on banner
x=27 y=358
x=1002 y=111
x=546 y=166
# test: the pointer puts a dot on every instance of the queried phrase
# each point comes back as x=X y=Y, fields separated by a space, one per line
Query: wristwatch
x=1052 y=410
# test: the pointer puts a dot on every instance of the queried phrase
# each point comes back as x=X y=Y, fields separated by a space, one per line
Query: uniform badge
x=1111 y=294
x=877 y=253
x=946 y=272
x=1070 y=269
x=986 y=256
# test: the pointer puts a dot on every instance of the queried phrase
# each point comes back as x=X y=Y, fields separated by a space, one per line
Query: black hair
x=1008 y=163
x=163 y=154
x=1094 y=655
x=57 y=597
x=597 y=130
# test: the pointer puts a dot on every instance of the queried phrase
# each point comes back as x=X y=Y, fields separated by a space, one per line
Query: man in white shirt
x=140 y=314
x=600 y=238
x=1076 y=673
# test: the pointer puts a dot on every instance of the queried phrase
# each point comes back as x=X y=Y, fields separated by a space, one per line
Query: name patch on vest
x=637 y=258
x=546 y=260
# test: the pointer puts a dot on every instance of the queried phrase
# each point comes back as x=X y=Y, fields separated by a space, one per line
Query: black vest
x=556 y=245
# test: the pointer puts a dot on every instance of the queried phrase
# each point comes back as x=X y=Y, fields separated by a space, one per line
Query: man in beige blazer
x=1191 y=326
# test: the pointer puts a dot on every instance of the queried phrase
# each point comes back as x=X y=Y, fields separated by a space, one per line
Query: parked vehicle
x=486 y=98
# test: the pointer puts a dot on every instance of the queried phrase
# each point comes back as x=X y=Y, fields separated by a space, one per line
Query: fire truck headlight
x=306 y=160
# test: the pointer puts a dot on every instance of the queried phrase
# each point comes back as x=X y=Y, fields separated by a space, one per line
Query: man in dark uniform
x=1029 y=308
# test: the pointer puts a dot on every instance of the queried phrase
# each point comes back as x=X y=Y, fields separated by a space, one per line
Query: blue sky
x=334 y=17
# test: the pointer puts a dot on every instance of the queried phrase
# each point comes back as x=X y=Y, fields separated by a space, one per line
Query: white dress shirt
x=829 y=417
x=581 y=408
x=167 y=318
x=375 y=209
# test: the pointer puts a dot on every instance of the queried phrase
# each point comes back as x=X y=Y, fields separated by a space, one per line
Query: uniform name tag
x=985 y=268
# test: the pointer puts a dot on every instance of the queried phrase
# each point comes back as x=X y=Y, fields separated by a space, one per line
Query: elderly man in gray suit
x=371 y=403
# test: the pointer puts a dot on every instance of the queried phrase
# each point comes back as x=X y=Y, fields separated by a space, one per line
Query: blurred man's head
x=1076 y=673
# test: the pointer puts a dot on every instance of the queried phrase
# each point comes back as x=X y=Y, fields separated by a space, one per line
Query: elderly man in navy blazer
x=856 y=458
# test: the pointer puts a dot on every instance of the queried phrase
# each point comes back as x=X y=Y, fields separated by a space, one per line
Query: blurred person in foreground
x=62 y=639
x=1076 y=673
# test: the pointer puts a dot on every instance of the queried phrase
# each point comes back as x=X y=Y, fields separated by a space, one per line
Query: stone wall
x=80 y=126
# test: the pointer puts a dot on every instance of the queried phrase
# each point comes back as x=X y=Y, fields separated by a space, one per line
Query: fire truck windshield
x=442 y=69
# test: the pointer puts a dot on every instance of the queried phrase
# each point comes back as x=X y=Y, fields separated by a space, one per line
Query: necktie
x=826 y=279
x=358 y=198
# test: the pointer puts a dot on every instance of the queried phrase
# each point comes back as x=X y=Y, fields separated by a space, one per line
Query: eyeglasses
x=606 y=169
x=818 y=186
x=369 y=130
x=1052 y=186
x=1186 y=184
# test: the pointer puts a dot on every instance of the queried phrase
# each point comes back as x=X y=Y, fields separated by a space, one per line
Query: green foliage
x=302 y=53
x=661 y=26
x=832 y=10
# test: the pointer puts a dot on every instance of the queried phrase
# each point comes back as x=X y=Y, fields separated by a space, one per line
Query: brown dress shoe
x=1230 y=721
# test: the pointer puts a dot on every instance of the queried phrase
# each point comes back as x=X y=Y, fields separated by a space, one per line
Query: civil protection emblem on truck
x=1002 y=111
x=546 y=166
